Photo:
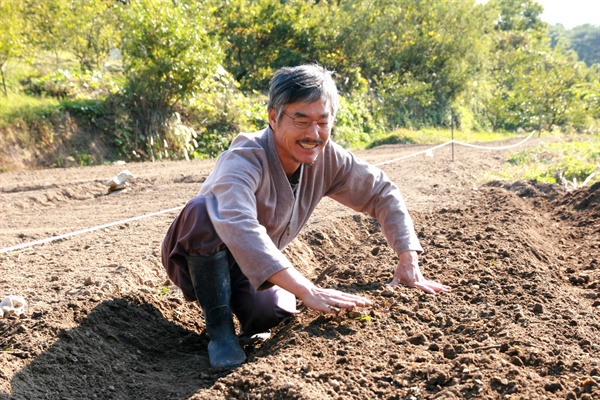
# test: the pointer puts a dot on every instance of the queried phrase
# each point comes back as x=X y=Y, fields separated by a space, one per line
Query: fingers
x=343 y=300
x=335 y=309
x=333 y=301
x=431 y=287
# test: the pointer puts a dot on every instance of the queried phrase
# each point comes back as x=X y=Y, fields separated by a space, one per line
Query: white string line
x=457 y=142
x=495 y=148
x=413 y=154
x=95 y=228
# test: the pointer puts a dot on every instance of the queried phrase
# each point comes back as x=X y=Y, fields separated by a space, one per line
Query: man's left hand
x=409 y=274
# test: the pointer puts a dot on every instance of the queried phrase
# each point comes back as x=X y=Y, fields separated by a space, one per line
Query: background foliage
x=154 y=79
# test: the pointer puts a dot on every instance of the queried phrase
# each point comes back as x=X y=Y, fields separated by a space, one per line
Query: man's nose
x=313 y=130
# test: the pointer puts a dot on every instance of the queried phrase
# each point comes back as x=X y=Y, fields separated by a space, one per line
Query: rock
x=516 y=361
x=538 y=308
x=496 y=380
x=417 y=339
x=334 y=384
x=12 y=305
x=553 y=387
x=449 y=352
x=438 y=378
x=119 y=179
x=434 y=347
x=119 y=182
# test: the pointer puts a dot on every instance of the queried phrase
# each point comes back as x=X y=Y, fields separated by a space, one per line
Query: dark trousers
x=192 y=234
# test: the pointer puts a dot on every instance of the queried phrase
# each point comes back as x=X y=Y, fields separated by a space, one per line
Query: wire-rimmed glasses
x=304 y=122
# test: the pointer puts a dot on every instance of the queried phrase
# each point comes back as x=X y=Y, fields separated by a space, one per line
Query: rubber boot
x=211 y=280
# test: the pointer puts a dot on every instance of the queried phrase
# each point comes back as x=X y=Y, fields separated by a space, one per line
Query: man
x=224 y=249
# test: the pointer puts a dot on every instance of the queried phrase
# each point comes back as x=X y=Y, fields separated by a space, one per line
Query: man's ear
x=272 y=117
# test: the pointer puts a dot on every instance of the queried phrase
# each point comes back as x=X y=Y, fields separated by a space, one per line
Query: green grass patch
x=438 y=136
x=19 y=106
x=562 y=162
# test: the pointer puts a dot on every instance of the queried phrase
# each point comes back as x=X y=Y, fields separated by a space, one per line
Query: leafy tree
x=537 y=83
x=419 y=55
x=584 y=114
x=90 y=30
x=264 y=35
x=520 y=65
x=43 y=21
x=168 y=57
x=11 y=35
x=585 y=40
x=519 y=15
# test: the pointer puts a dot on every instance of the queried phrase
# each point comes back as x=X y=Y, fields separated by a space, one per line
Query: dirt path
x=103 y=322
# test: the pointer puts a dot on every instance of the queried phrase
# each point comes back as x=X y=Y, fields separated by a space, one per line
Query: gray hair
x=309 y=82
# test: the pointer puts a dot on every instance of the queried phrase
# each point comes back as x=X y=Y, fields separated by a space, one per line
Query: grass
x=438 y=136
x=19 y=106
x=571 y=163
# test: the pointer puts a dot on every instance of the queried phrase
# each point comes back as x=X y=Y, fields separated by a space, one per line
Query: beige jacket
x=255 y=213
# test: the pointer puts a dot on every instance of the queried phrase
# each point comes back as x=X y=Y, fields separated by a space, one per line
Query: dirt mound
x=522 y=319
x=583 y=206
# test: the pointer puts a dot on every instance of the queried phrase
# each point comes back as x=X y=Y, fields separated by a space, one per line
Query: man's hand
x=314 y=297
x=331 y=300
x=409 y=274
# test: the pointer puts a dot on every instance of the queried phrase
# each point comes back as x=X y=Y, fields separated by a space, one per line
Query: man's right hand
x=314 y=297
x=331 y=300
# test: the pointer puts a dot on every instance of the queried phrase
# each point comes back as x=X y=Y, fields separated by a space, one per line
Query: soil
x=103 y=322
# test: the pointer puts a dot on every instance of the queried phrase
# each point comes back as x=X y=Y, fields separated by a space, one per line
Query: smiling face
x=295 y=145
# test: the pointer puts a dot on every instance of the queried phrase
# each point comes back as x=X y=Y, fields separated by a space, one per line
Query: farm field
x=102 y=321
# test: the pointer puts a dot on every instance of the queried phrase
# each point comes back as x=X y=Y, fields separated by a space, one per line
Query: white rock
x=119 y=179
x=12 y=305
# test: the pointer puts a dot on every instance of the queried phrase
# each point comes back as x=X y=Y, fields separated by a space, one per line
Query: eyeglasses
x=305 y=122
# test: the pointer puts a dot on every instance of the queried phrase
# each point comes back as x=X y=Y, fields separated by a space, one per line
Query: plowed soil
x=103 y=322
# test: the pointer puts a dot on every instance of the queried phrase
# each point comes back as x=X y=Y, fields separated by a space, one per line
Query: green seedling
x=163 y=291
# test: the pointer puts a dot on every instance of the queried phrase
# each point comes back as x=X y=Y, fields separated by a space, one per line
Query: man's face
x=301 y=133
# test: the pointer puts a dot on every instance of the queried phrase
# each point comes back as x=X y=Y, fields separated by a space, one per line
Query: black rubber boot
x=212 y=285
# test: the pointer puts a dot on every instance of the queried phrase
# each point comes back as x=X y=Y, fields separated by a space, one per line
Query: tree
x=419 y=55
x=537 y=83
x=262 y=36
x=519 y=15
x=90 y=31
x=12 y=43
x=168 y=56
x=585 y=40
x=43 y=24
